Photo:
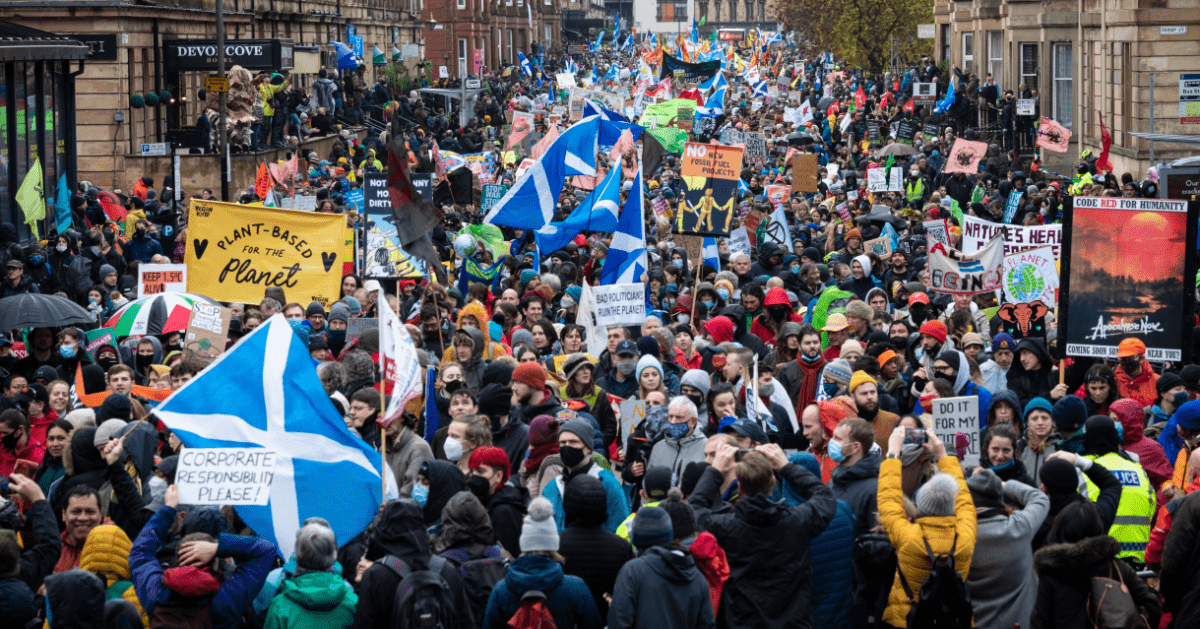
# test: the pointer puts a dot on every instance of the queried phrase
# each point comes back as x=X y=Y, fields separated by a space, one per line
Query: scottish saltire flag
x=401 y=367
x=62 y=205
x=612 y=73
x=946 y=103
x=264 y=393
x=526 y=67
x=616 y=28
x=628 y=42
x=571 y=66
x=626 y=261
x=598 y=213
x=599 y=38
x=716 y=81
x=711 y=253
x=715 y=105
x=760 y=89
x=743 y=187
x=573 y=153
x=591 y=108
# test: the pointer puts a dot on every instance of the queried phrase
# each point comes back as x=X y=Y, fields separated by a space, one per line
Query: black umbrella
x=825 y=102
x=796 y=138
x=33 y=310
x=883 y=214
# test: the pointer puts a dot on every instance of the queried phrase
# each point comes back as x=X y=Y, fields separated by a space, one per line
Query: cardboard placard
x=225 y=476
x=693 y=247
x=953 y=415
x=805 y=169
x=881 y=246
x=208 y=330
x=161 y=278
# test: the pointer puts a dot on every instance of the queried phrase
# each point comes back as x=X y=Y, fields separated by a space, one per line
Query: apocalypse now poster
x=1127 y=273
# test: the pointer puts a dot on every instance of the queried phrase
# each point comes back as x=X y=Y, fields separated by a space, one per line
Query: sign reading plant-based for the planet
x=234 y=252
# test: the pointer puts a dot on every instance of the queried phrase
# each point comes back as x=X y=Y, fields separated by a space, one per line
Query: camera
x=915 y=435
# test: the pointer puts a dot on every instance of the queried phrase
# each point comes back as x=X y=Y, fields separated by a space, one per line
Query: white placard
x=443 y=72
x=976 y=233
x=303 y=203
x=1025 y=106
x=739 y=241
x=225 y=476
x=161 y=278
x=896 y=179
x=633 y=413
x=565 y=79
x=953 y=415
x=925 y=31
x=620 y=304
x=877 y=180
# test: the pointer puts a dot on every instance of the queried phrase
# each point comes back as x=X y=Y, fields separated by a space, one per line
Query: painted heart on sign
x=199 y=246
x=327 y=259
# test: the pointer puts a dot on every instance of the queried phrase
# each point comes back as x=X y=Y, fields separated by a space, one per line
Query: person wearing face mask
x=724 y=290
x=406 y=452
x=1135 y=379
x=70 y=353
x=142 y=246
x=1150 y=453
x=148 y=352
x=335 y=328
x=707 y=297
x=1135 y=510
x=855 y=479
x=683 y=444
x=1172 y=393
x=621 y=381
x=777 y=311
x=106 y=357
x=575 y=439
x=504 y=500
x=916 y=187
x=15 y=442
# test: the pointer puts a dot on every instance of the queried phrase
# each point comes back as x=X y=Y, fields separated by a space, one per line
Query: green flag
x=31 y=198
x=887 y=168
x=672 y=139
x=702 y=20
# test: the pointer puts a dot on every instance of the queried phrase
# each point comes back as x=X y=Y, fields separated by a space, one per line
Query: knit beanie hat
x=1038 y=403
x=527 y=275
x=532 y=374
x=683 y=518
x=574 y=363
x=936 y=329
x=859 y=378
x=851 y=348
x=490 y=456
x=691 y=476
x=570 y=296
x=649 y=362
x=1188 y=415
x=108 y=429
x=1004 y=340
x=986 y=489
x=696 y=379
x=339 y=312
x=543 y=431
x=971 y=338
x=1168 y=381
x=538 y=531
x=580 y=428
x=839 y=371
x=1069 y=413
x=854 y=233
x=314 y=308
x=652 y=526
x=352 y=305
x=1059 y=477
x=520 y=337
x=936 y=497
x=105 y=270
x=648 y=345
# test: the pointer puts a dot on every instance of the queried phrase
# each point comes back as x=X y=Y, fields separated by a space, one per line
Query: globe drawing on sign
x=1024 y=284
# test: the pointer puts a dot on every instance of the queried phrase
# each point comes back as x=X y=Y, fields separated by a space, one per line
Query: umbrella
x=883 y=215
x=33 y=310
x=897 y=149
x=825 y=102
x=797 y=138
x=155 y=314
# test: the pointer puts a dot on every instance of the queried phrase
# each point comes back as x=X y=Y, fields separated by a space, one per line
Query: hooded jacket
x=1150 y=453
x=764 y=266
x=1181 y=584
x=106 y=554
x=1030 y=384
x=506 y=509
x=1143 y=388
x=762 y=326
x=84 y=466
x=592 y=553
x=1065 y=574
x=741 y=330
x=405 y=454
x=233 y=597
x=766 y=543
x=857 y=486
x=567 y=598
x=400 y=532
x=1002 y=583
x=314 y=600
x=74 y=600
x=322 y=91
x=676 y=454
x=662 y=588
x=139 y=373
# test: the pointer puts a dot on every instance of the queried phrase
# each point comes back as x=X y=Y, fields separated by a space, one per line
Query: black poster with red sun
x=1127 y=272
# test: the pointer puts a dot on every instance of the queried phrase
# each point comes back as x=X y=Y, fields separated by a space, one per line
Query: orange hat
x=918 y=298
x=886 y=357
x=936 y=329
x=854 y=233
x=834 y=411
x=1131 y=347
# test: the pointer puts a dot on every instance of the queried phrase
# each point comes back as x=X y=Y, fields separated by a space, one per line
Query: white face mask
x=61 y=248
x=454 y=449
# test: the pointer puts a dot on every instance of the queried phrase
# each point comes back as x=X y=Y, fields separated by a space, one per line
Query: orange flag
x=262 y=182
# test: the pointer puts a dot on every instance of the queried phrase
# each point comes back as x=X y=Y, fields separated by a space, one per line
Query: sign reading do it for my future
x=225 y=476
x=953 y=415
x=620 y=304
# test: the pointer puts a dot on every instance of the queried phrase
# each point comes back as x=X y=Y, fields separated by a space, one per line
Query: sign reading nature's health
x=234 y=252
x=1127 y=274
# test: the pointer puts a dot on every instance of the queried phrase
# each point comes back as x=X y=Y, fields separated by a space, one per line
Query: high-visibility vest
x=1135 y=513
x=915 y=192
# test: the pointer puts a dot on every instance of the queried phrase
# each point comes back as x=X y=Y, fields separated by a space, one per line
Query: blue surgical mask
x=708 y=303
x=919 y=352
x=673 y=288
x=420 y=493
x=935 y=153
x=835 y=451
x=66 y=351
x=1120 y=432
x=723 y=293
x=795 y=269
x=1180 y=399
x=35 y=259
x=677 y=431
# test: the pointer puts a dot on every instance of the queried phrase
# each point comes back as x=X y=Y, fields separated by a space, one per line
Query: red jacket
x=711 y=561
x=1142 y=388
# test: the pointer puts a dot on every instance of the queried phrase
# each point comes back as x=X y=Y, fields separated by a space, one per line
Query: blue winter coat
x=985 y=402
x=254 y=557
x=614 y=495
x=567 y=598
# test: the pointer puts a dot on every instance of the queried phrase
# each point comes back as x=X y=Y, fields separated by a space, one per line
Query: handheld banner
x=710 y=172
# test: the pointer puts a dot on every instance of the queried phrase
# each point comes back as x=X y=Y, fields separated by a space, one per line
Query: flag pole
x=383 y=467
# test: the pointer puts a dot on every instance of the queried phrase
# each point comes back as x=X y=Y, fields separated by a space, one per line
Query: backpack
x=480 y=576
x=532 y=614
x=1110 y=606
x=423 y=599
x=77 y=276
x=944 y=601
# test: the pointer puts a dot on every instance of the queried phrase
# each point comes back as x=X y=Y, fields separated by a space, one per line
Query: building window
x=1063 y=104
x=968 y=39
x=1029 y=66
x=946 y=43
x=511 y=56
x=462 y=57
x=995 y=64
x=549 y=32
x=462 y=4
x=672 y=12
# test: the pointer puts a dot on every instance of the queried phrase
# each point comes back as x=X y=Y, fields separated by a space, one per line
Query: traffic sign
x=473 y=84
x=156 y=149
x=216 y=84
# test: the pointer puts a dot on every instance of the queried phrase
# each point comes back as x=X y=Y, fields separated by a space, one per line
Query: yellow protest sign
x=235 y=252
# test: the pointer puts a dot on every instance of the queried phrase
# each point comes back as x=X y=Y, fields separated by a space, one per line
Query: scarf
x=537 y=454
x=812 y=380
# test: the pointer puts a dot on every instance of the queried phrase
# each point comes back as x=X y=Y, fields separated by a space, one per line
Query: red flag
x=1102 y=164
x=262 y=182
x=895 y=86
x=112 y=206
x=834 y=107
x=693 y=94
x=908 y=106
x=860 y=98
x=883 y=101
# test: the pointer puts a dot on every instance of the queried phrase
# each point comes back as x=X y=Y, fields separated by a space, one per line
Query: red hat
x=933 y=328
x=918 y=298
x=854 y=233
x=581 y=240
x=533 y=373
x=490 y=456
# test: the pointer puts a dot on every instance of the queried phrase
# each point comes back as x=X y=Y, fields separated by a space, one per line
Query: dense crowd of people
x=788 y=471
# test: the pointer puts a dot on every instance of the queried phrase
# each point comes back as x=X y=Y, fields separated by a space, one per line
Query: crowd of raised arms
x=788 y=470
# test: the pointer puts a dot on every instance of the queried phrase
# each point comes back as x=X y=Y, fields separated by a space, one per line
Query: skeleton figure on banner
x=703 y=210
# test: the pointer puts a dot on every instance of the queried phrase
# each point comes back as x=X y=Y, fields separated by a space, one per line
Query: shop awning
x=1168 y=137
x=21 y=43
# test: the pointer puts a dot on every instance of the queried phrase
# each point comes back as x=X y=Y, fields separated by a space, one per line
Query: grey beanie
x=340 y=312
x=936 y=497
x=986 y=485
x=105 y=269
x=522 y=336
x=315 y=308
x=107 y=430
x=539 y=531
x=696 y=379
x=651 y=527
x=581 y=428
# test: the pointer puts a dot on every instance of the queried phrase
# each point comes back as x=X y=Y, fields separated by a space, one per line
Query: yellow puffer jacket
x=106 y=554
x=909 y=538
x=493 y=350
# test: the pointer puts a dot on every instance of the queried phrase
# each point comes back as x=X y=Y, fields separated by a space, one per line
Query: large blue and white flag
x=626 y=260
x=761 y=89
x=715 y=105
x=616 y=29
x=573 y=153
x=571 y=66
x=526 y=67
x=264 y=393
x=711 y=253
x=715 y=81
x=591 y=108
x=597 y=213
x=599 y=38
x=946 y=103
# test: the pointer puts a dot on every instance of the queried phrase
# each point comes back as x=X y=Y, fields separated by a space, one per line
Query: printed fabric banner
x=710 y=173
x=1031 y=275
x=384 y=258
x=691 y=71
x=237 y=251
x=951 y=271
x=964 y=157
x=976 y=233
x=1127 y=274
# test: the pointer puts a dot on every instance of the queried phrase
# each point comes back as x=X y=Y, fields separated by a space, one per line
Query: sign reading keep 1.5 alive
x=234 y=252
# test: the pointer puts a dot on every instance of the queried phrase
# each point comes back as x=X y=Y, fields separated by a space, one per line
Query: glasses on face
x=945 y=370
